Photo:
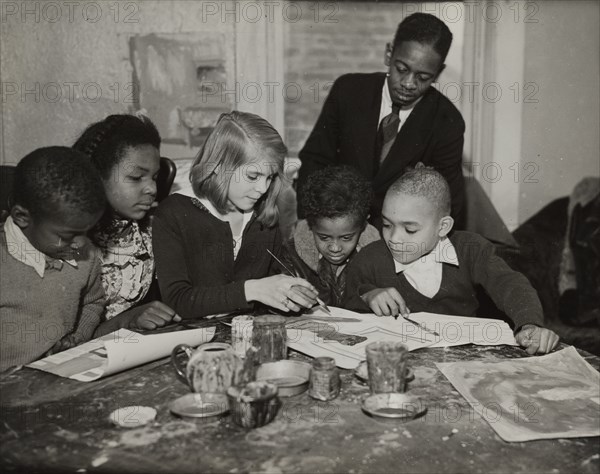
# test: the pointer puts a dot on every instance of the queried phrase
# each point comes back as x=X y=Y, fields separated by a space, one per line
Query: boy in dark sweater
x=417 y=267
x=51 y=294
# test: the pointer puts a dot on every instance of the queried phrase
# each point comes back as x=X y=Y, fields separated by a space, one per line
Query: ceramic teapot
x=212 y=367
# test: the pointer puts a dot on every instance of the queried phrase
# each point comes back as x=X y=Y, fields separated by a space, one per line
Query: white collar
x=20 y=248
x=443 y=252
x=386 y=100
x=246 y=216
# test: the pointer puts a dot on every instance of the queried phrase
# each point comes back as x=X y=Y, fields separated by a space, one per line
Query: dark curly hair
x=336 y=191
x=106 y=142
x=50 y=179
x=425 y=29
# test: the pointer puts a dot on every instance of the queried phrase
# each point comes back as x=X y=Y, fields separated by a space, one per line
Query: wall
x=560 y=139
x=532 y=125
x=76 y=63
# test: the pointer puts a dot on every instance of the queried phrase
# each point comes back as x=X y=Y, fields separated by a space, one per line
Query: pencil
x=320 y=302
x=323 y=306
x=422 y=326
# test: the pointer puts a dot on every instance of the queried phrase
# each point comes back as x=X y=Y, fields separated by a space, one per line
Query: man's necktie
x=386 y=134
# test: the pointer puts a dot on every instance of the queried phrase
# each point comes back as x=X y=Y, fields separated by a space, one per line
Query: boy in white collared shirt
x=51 y=294
x=418 y=267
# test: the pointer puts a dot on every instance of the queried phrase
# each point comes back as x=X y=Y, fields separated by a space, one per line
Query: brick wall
x=321 y=46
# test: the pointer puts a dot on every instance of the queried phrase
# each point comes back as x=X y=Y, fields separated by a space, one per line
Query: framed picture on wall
x=180 y=79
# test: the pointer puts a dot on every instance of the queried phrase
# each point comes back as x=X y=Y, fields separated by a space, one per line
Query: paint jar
x=269 y=336
x=241 y=334
x=387 y=366
x=324 y=379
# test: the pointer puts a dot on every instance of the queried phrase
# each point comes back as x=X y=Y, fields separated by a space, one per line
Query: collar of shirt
x=246 y=216
x=19 y=247
x=386 y=106
x=443 y=252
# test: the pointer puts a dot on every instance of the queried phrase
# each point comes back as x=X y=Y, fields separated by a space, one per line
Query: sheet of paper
x=460 y=330
x=118 y=351
x=551 y=396
x=344 y=334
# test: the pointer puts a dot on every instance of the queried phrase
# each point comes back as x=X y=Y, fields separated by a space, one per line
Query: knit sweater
x=478 y=265
x=193 y=252
x=301 y=253
x=36 y=313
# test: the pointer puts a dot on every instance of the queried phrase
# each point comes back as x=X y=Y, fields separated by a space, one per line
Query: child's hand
x=386 y=302
x=536 y=340
x=283 y=292
x=153 y=315
x=68 y=341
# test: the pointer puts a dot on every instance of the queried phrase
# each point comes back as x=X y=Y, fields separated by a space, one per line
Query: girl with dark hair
x=125 y=149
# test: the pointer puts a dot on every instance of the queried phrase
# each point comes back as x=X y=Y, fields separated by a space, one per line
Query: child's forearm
x=122 y=320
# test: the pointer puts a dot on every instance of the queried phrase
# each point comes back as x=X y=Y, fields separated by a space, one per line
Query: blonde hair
x=228 y=147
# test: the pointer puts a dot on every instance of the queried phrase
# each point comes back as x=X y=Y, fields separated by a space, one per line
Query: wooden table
x=54 y=424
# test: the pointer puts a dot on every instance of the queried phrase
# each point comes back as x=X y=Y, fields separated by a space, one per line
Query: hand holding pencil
x=283 y=292
x=389 y=302
x=386 y=302
x=294 y=273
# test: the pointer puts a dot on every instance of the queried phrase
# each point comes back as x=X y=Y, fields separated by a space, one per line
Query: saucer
x=133 y=416
x=200 y=405
x=362 y=373
x=400 y=406
x=290 y=376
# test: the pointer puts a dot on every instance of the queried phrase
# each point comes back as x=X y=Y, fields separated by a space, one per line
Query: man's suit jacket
x=346 y=132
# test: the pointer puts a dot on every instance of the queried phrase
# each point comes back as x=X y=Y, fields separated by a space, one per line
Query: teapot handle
x=181 y=369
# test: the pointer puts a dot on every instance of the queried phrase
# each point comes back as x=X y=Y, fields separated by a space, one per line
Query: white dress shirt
x=19 y=247
x=386 y=106
x=425 y=273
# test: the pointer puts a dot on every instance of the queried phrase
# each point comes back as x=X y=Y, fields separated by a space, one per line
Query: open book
x=118 y=351
x=344 y=334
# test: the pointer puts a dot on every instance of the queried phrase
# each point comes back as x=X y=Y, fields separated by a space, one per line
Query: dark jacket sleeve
x=176 y=284
x=447 y=159
x=510 y=291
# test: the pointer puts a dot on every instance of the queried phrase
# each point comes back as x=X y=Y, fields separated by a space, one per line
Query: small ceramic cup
x=253 y=405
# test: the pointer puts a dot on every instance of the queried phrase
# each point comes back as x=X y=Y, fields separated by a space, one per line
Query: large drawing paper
x=344 y=334
x=551 y=396
x=118 y=351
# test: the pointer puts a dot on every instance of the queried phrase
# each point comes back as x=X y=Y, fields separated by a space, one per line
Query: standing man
x=384 y=123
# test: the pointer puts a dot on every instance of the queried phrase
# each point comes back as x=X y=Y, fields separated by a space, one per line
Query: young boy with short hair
x=336 y=203
x=418 y=267
x=51 y=294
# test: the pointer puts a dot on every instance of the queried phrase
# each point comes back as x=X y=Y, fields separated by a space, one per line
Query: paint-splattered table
x=54 y=424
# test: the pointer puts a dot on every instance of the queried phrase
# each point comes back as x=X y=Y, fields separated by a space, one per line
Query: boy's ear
x=446 y=224
x=21 y=216
x=387 y=58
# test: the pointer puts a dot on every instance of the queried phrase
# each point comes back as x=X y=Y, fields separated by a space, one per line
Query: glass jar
x=269 y=336
x=324 y=379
